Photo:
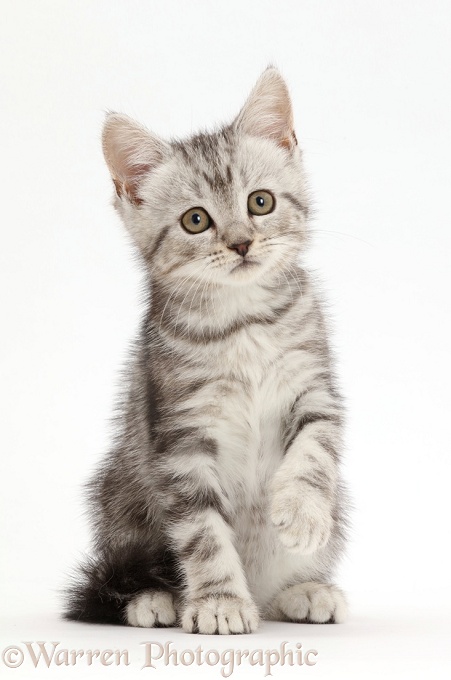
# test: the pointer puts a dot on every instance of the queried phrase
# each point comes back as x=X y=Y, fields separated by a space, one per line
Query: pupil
x=196 y=218
x=260 y=201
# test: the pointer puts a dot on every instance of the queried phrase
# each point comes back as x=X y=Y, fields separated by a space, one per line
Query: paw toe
x=225 y=616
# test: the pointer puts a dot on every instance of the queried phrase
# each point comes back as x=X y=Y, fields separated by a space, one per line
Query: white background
x=370 y=83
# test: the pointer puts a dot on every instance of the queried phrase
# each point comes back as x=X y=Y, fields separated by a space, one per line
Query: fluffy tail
x=105 y=584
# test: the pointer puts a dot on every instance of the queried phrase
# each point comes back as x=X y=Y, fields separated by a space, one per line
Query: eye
x=196 y=220
x=260 y=203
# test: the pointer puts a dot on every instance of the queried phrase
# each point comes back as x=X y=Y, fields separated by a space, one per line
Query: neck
x=201 y=307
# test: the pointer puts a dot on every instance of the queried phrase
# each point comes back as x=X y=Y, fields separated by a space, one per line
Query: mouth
x=245 y=264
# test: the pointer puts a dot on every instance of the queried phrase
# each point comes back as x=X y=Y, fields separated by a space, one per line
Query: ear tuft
x=130 y=151
x=268 y=112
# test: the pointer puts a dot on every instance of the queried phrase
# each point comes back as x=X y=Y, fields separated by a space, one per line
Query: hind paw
x=310 y=603
x=150 y=609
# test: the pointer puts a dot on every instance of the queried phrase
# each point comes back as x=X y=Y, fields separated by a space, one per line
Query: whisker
x=293 y=271
x=186 y=294
x=174 y=292
x=288 y=284
x=201 y=280
x=200 y=309
x=338 y=233
x=216 y=287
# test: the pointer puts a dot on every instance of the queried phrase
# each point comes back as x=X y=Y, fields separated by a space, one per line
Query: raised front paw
x=301 y=514
x=220 y=614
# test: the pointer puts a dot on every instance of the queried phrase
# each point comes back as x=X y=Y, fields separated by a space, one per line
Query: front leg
x=303 y=492
x=217 y=598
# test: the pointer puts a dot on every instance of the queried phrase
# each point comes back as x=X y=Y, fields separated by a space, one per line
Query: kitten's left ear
x=267 y=112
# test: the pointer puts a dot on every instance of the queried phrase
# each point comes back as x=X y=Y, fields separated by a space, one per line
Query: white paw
x=301 y=515
x=151 y=608
x=221 y=615
x=314 y=602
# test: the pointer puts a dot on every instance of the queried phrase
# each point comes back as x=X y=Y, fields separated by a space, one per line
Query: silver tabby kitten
x=221 y=501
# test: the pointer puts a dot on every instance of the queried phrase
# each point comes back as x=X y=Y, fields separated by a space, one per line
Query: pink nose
x=241 y=248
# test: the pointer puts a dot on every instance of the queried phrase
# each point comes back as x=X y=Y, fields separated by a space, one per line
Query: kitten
x=221 y=501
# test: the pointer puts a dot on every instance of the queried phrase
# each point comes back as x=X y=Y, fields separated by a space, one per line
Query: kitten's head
x=227 y=207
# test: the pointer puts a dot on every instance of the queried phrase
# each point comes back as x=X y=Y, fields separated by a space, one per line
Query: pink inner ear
x=135 y=174
x=130 y=185
x=289 y=142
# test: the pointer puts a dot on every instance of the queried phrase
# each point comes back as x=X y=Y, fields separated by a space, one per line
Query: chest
x=261 y=376
x=259 y=373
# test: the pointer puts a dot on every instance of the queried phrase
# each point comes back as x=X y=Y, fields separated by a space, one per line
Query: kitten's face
x=210 y=183
x=225 y=208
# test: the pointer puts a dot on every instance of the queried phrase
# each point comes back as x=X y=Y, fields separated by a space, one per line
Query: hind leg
x=309 y=603
x=151 y=609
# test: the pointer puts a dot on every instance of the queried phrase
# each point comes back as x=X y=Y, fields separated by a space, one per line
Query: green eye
x=196 y=220
x=260 y=203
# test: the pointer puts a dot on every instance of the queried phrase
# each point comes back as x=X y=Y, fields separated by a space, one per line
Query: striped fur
x=222 y=494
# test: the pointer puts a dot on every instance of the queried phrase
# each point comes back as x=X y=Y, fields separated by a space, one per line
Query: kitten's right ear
x=131 y=151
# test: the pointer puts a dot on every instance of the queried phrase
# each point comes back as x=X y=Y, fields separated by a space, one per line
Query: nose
x=241 y=248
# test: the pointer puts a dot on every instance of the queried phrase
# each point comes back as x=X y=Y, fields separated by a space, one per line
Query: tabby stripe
x=157 y=245
x=317 y=482
x=214 y=583
x=296 y=202
x=192 y=544
x=309 y=418
x=185 y=502
x=328 y=446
